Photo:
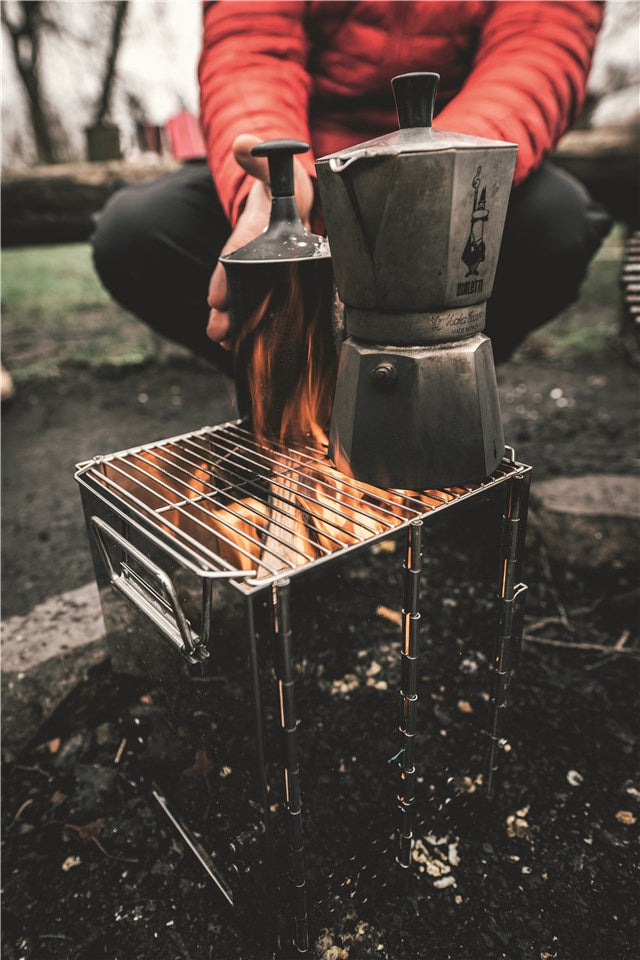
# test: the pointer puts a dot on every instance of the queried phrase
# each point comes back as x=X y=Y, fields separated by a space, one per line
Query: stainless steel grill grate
x=253 y=512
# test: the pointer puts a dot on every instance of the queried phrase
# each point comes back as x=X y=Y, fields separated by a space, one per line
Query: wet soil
x=92 y=867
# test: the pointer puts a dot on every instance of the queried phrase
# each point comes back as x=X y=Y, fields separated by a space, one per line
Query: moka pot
x=414 y=220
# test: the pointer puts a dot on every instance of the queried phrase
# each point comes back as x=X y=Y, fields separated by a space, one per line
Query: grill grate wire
x=233 y=503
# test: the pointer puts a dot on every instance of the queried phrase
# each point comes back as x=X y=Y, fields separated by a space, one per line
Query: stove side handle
x=132 y=587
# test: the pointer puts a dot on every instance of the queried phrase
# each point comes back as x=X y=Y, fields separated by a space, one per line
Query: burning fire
x=289 y=360
x=205 y=490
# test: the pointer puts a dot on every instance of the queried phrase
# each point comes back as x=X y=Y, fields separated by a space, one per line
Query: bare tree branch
x=104 y=103
x=25 y=38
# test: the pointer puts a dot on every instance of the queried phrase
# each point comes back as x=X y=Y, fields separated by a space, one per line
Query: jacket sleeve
x=528 y=78
x=253 y=79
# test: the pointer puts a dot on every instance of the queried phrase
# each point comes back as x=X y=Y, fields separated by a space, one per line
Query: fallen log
x=57 y=203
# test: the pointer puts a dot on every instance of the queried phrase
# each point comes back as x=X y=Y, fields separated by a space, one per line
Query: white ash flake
x=517 y=825
x=465 y=784
x=435 y=862
x=345 y=685
x=468 y=666
x=70 y=863
x=444 y=882
x=453 y=855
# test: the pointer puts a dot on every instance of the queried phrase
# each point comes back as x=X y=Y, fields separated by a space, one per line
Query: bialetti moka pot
x=262 y=275
x=414 y=221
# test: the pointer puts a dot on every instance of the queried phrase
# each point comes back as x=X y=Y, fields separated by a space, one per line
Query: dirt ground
x=91 y=867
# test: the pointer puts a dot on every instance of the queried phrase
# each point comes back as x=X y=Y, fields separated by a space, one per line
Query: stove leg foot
x=412 y=566
x=291 y=765
x=509 y=616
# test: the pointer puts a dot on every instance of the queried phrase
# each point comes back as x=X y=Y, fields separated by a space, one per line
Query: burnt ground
x=544 y=872
x=92 y=869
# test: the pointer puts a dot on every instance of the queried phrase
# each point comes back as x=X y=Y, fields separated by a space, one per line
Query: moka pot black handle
x=280 y=154
x=415 y=96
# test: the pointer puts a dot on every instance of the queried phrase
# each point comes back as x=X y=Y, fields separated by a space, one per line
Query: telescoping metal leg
x=285 y=678
x=509 y=615
x=409 y=661
x=262 y=775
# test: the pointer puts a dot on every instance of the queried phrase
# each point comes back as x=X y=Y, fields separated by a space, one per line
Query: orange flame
x=290 y=359
x=312 y=508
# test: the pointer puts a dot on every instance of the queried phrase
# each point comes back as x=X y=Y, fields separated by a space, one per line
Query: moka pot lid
x=285 y=239
x=415 y=95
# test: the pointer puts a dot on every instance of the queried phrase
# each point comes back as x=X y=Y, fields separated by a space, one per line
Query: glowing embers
x=257 y=506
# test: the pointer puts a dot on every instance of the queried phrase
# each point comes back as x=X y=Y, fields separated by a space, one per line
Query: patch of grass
x=56 y=314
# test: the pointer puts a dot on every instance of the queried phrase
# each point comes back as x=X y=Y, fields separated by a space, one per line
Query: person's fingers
x=251 y=223
x=218 y=326
x=258 y=167
x=217 y=298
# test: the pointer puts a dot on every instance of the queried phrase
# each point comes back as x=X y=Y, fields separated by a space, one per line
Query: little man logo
x=474 y=251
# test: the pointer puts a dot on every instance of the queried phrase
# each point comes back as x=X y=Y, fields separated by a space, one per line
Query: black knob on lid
x=415 y=96
x=280 y=153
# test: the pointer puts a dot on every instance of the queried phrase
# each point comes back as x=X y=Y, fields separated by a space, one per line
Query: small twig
x=120 y=751
x=545 y=622
x=574 y=645
x=35 y=769
x=544 y=560
x=179 y=942
x=580 y=611
x=112 y=856
x=622 y=639
x=54 y=936
x=20 y=811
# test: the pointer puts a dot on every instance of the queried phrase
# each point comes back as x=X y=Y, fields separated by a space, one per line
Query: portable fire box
x=179 y=527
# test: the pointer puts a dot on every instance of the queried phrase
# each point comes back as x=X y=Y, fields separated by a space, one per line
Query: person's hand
x=252 y=221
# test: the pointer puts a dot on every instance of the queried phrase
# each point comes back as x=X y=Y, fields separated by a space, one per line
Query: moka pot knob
x=279 y=154
x=415 y=96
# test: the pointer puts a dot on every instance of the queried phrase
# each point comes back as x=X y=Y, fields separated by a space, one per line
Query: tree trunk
x=25 y=42
x=119 y=17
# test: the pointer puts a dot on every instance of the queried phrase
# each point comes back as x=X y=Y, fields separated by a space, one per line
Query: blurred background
x=132 y=63
x=99 y=94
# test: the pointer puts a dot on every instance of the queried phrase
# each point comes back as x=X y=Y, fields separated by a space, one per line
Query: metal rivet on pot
x=384 y=375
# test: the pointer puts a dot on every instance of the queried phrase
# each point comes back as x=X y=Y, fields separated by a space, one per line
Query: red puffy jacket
x=320 y=71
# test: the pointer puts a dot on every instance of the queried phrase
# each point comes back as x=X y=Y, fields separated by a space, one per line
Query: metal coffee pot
x=414 y=221
x=264 y=270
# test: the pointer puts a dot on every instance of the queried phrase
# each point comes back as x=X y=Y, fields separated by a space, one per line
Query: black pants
x=156 y=244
